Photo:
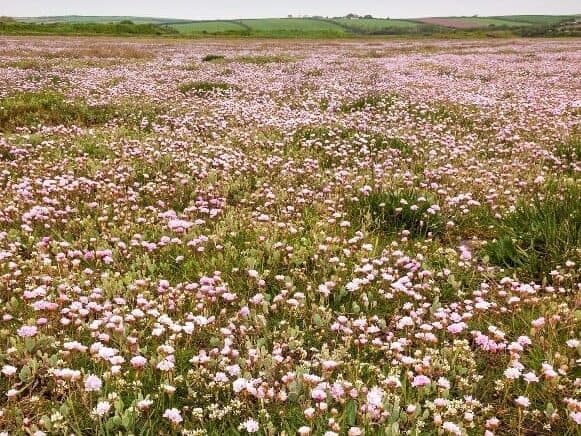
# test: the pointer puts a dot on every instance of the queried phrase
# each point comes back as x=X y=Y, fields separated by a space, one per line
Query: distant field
x=470 y=22
x=208 y=27
x=292 y=25
x=375 y=24
x=97 y=19
x=534 y=19
x=314 y=27
x=264 y=27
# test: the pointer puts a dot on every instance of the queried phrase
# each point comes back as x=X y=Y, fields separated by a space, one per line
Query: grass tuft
x=50 y=108
x=569 y=151
x=538 y=236
x=205 y=87
x=392 y=211
x=213 y=58
x=383 y=102
x=263 y=60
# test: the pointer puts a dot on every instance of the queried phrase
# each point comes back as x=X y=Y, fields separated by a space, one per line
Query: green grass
x=210 y=27
x=389 y=212
x=534 y=19
x=273 y=27
x=541 y=234
x=31 y=108
x=263 y=60
x=205 y=87
x=97 y=19
x=74 y=28
x=212 y=58
x=51 y=108
x=569 y=150
x=268 y=25
x=379 y=101
x=377 y=25
x=487 y=22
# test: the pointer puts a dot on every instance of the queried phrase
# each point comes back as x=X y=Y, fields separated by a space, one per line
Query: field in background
x=475 y=22
x=320 y=27
x=280 y=237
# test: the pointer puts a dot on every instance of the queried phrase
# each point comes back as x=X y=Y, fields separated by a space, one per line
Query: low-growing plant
x=213 y=58
x=29 y=108
x=380 y=142
x=51 y=108
x=380 y=101
x=389 y=212
x=205 y=87
x=569 y=150
x=262 y=60
x=541 y=234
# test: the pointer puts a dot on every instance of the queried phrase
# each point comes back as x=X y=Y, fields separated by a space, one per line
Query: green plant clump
x=389 y=212
x=540 y=235
x=205 y=87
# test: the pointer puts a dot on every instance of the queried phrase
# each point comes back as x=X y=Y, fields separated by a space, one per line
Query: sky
x=215 y=9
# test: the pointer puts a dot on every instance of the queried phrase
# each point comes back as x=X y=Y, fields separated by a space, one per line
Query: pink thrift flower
x=93 y=383
x=27 y=331
x=522 y=401
x=420 y=381
x=138 y=362
x=250 y=425
x=173 y=415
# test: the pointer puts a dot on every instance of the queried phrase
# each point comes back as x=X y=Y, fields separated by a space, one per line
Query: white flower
x=173 y=415
x=450 y=427
x=573 y=343
x=239 y=385
x=512 y=373
x=522 y=401
x=8 y=370
x=250 y=425
x=144 y=404
x=375 y=397
x=530 y=377
x=102 y=408
x=93 y=383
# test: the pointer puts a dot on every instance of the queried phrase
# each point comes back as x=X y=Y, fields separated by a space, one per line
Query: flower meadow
x=362 y=237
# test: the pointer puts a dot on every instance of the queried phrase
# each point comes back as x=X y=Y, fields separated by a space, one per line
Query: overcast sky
x=209 y=9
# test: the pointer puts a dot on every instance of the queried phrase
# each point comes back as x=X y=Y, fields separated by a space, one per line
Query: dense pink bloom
x=27 y=331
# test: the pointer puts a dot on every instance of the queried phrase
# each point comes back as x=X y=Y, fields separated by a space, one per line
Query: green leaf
x=25 y=374
x=351 y=413
x=29 y=344
x=317 y=320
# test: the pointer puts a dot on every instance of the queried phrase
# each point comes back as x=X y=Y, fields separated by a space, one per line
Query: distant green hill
x=527 y=25
x=97 y=19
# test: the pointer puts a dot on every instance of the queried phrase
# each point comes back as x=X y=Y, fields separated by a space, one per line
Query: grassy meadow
x=354 y=236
